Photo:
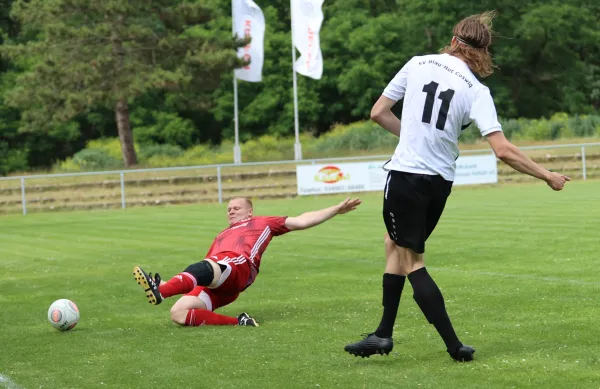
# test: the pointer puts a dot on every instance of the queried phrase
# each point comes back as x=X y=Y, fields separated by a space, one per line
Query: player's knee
x=390 y=249
x=389 y=243
x=205 y=272
x=179 y=315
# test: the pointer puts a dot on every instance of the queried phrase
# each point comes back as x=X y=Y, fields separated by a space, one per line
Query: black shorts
x=412 y=206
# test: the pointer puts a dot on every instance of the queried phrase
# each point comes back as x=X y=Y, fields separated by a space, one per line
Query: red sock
x=202 y=317
x=180 y=284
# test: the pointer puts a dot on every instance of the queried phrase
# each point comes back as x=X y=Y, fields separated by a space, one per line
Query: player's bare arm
x=515 y=158
x=382 y=114
x=313 y=218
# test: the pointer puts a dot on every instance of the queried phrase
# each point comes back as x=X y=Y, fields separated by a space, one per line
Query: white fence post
x=122 y=190
x=219 y=186
x=583 y=162
x=23 y=198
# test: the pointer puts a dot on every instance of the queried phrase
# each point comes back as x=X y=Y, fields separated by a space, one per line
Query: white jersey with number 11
x=441 y=98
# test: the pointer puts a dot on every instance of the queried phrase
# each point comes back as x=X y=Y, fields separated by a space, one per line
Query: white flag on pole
x=248 y=20
x=307 y=17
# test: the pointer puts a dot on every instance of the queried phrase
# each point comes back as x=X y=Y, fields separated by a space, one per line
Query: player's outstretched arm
x=382 y=114
x=515 y=158
x=313 y=218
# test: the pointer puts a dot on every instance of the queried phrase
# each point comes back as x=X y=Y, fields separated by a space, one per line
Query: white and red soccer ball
x=63 y=314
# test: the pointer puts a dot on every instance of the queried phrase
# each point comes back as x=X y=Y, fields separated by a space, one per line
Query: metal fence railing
x=117 y=188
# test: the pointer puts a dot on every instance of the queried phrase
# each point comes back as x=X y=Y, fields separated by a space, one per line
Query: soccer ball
x=63 y=314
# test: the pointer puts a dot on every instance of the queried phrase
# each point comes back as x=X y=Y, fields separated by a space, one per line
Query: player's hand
x=557 y=181
x=348 y=205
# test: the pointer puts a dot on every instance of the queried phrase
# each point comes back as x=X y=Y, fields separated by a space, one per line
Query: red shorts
x=233 y=281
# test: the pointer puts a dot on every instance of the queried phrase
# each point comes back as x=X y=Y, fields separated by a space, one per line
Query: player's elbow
x=500 y=152
x=503 y=151
x=500 y=145
x=381 y=109
x=376 y=114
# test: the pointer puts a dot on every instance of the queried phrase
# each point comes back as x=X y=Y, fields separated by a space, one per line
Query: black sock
x=430 y=300
x=392 y=290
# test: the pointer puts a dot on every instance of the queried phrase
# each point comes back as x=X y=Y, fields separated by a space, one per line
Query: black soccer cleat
x=371 y=344
x=245 y=320
x=463 y=354
x=149 y=285
x=157 y=279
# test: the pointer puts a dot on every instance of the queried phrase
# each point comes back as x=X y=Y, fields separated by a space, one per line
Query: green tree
x=108 y=53
x=67 y=70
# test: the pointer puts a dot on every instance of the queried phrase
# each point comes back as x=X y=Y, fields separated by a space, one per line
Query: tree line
x=162 y=71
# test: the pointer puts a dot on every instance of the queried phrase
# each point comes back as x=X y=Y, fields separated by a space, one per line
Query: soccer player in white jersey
x=442 y=97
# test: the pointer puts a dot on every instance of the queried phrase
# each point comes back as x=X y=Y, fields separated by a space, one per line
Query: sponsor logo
x=331 y=174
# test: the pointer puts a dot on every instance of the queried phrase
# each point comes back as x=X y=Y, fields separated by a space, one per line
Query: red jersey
x=249 y=238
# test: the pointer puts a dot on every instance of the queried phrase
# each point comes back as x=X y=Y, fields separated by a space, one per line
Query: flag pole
x=237 y=151
x=297 y=145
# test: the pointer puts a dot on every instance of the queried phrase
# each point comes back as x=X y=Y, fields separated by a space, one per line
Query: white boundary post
x=23 y=198
x=219 y=186
x=583 y=162
x=122 y=190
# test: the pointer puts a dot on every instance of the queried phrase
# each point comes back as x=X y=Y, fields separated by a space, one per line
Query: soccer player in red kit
x=231 y=264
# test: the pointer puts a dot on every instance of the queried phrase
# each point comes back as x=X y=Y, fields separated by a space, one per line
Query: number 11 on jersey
x=445 y=96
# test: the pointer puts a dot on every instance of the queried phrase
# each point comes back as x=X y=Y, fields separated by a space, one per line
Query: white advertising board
x=370 y=176
x=476 y=169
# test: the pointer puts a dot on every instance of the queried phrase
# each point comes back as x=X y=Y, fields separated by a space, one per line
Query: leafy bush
x=99 y=152
x=363 y=136
x=198 y=151
x=12 y=160
x=268 y=148
x=111 y=146
x=168 y=128
x=585 y=125
x=95 y=159
x=559 y=126
x=164 y=150
x=342 y=140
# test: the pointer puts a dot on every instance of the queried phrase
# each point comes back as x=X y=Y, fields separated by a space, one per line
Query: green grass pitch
x=517 y=264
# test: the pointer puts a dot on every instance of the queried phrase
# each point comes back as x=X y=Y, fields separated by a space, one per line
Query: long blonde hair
x=474 y=35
